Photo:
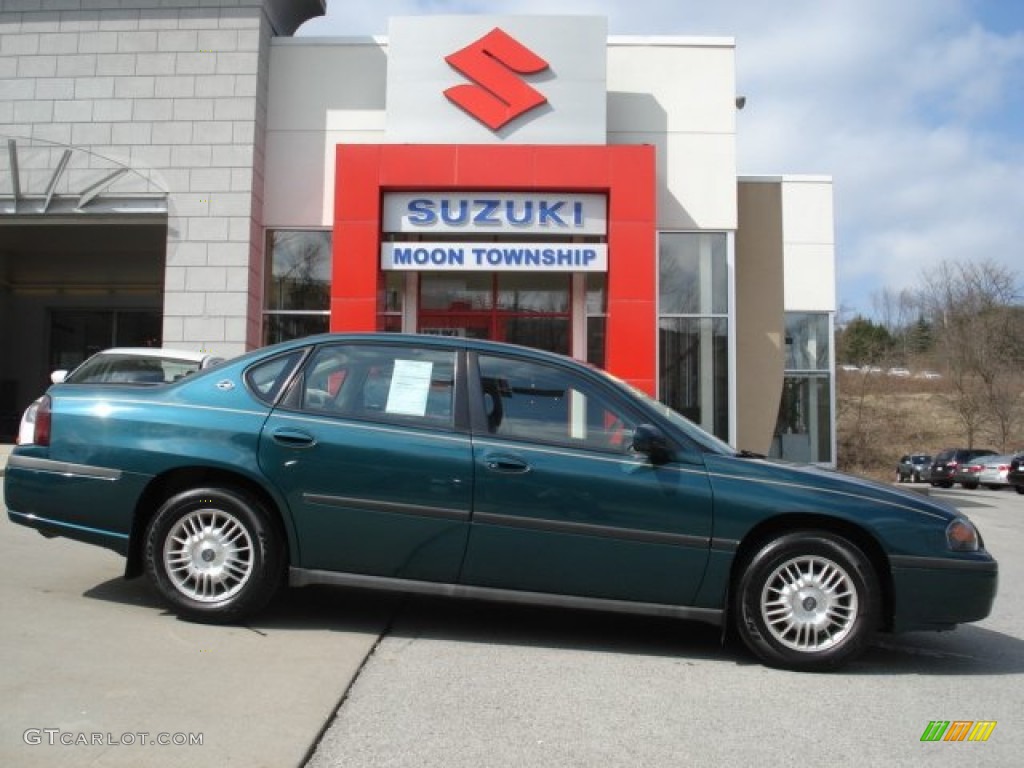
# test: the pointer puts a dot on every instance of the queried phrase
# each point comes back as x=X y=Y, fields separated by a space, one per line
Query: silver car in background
x=994 y=470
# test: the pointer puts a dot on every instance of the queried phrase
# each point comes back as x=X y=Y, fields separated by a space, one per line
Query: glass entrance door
x=525 y=308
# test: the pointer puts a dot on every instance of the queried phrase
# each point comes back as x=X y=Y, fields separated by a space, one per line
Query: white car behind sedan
x=124 y=365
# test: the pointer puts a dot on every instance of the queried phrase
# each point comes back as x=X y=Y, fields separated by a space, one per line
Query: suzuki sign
x=497 y=95
x=489 y=213
x=504 y=79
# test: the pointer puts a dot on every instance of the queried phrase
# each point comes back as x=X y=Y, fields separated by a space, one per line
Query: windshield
x=705 y=440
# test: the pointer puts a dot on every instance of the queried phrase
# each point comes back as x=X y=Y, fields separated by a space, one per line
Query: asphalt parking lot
x=85 y=654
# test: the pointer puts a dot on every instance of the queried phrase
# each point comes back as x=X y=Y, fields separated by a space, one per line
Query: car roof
x=422 y=339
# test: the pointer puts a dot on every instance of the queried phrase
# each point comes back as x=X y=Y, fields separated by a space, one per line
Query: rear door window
x=385 y=383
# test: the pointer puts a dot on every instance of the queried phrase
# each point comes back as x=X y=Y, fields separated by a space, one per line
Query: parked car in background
x=137 y=365
x=464 y=468
x=946 y=464
x=144 y=366
x=1015 y=475
x=994 y=471
x=968 y=473
x=913 y=467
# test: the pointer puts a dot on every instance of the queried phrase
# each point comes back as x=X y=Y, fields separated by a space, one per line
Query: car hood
x=809 y=479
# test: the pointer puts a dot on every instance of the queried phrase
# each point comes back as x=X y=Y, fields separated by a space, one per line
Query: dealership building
x=193 y=174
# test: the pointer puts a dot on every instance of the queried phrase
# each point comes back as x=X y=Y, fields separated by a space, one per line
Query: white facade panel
x=322 y=92
x=696 y=179
x=808 y=244
x=810 y=278
x=679 y=95
x=558 y=59
x=669 y=86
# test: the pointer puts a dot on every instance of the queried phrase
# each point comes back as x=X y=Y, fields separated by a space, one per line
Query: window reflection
x=693 y=327
x=803 y=430
x=693 y=275
x=297 y=284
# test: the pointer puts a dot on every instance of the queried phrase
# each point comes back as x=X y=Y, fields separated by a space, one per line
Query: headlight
x=962 y=536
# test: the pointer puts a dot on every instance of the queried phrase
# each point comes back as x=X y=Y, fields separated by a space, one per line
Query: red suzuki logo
x=494 y=63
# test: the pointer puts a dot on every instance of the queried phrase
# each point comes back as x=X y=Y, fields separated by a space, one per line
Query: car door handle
x=504 y=463
x=293 y=438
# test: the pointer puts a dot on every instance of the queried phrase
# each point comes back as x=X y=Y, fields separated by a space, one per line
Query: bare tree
x=973 y=310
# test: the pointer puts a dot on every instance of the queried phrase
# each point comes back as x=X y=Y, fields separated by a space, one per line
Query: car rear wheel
x=970 y=486
x=214 y=554
x=808 y=601
x=1019 y=488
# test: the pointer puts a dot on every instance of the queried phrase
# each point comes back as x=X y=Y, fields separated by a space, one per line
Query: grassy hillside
x=880 y=418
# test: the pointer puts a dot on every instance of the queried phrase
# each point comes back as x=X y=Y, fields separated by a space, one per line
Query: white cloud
x=914 y=107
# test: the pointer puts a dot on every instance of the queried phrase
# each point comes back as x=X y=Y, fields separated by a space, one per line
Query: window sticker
x=410 y=386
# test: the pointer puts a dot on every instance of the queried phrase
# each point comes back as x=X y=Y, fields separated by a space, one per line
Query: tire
x=970 y=486
x=994 y=487
x=807 y=601
x=214 y=554
x=1019 y=489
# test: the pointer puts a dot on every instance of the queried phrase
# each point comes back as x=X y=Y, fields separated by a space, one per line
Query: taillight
x=44 y=420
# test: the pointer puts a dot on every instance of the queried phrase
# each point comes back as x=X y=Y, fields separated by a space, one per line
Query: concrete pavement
x=91 y=659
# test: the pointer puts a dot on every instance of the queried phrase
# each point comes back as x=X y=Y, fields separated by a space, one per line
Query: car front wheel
x=807 y=601
x=214 y=554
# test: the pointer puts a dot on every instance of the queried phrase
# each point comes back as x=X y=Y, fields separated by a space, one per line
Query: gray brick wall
x=177 y=90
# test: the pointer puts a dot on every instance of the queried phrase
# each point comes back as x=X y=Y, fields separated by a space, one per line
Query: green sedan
x=474 y=469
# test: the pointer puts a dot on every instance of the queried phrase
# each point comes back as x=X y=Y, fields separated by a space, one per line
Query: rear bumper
x=939 y=593
x=86 y=503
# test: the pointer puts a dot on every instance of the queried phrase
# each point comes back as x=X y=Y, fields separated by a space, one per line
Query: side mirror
x=58 y=376
x=651 y=441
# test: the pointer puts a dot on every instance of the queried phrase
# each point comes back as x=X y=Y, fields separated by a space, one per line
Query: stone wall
x=177 y=91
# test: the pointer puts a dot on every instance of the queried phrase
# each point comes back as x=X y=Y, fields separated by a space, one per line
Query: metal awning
x=40 y=179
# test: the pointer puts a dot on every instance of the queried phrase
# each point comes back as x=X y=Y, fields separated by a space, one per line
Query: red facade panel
x=626 y=174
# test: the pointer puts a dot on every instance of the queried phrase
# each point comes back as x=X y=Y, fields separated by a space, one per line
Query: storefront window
x=518 y=292
x=803 y=432
x=693 y=327
x=297 y=289
x=527 y=309
x=391 y=302
x=456 y=292
x=807 y=342
x=694 y=368
x=597 y=316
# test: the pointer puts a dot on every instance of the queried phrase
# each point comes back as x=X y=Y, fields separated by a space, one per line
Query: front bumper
x=939 y=593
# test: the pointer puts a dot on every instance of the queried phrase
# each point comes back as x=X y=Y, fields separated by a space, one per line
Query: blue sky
x=914 y=107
